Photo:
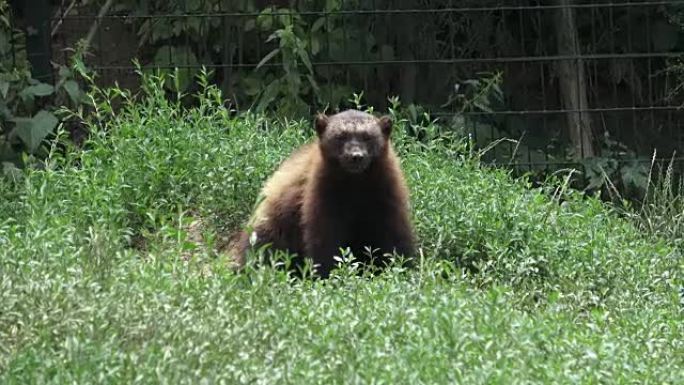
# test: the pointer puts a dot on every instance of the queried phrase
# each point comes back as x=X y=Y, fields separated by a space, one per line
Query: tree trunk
x=572 y=80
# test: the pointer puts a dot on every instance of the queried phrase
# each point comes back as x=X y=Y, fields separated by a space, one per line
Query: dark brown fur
x=344 y=190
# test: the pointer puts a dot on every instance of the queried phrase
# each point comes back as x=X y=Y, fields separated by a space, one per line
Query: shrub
x=79 y=304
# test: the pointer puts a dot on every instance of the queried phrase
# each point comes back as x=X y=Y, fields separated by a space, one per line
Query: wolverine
x=344 y=190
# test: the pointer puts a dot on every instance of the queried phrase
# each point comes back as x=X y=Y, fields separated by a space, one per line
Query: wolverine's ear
x=321 y=123
x=385 y=123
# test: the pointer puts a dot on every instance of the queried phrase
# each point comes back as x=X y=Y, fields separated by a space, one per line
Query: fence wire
x=598 y=79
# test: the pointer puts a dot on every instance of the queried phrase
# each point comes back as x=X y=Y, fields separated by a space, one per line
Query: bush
x=554 y=286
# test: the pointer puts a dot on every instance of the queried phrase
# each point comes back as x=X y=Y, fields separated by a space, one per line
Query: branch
x=61 y=19
x=96 y=23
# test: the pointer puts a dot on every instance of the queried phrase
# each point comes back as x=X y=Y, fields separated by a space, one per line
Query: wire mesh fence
x=594 y=81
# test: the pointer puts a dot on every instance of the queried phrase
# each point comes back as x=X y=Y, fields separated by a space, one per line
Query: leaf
x=177 y=28
x=120 y=8
x=20 y=124
x=482 y=105
x=193 y=26
x=413 y=113
x=318 y=24
x=80 y=67
x=32 y=131
x=273 y=36
x=73 y=90
x=286 y=18
x=11 y=171
x=265 y=20
x=250 y=25
x=635 y=174
x=594 y=169
x=5 y=46
x=5 y=112
x=269 y=95
x=315 y=46
x=304 y=56
x=251 y=85
x=193 y=5
x=268 y=57
x=332 y=5
x=4 y=88
x=29 y=93
x=65 y=72
x=313 y=83
x=40 y=89
x=168 y=57
x=162 y=31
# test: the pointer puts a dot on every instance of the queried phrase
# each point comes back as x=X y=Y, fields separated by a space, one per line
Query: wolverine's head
x=353 y=139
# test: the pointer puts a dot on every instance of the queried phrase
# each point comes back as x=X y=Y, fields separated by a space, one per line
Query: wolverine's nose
x=357 y=156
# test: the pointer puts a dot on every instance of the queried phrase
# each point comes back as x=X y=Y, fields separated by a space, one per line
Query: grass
x=102 y=282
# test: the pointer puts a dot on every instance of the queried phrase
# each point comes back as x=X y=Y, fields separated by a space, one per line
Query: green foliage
x=483 y=94
x=617 y=169
x=102 y=281
x=266 y=52
x=287 y=92
x=279 y=39
x=182 y=58
x=27 y=106
x=661 y=212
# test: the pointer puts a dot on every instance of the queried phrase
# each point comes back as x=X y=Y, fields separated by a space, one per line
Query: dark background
x=594 y=83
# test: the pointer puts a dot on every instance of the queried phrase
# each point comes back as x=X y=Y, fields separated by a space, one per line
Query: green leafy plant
x=278 y=40
x=288 y=92
x=28 y=107
x=282 y=57
x=513 y=284
x=618 y=171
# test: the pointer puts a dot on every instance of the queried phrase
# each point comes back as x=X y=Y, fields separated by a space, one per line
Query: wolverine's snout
x=355 y=158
